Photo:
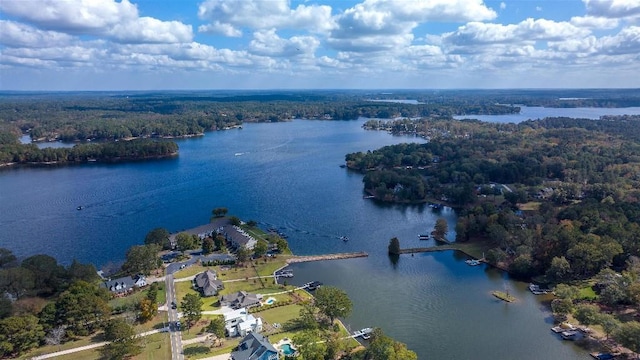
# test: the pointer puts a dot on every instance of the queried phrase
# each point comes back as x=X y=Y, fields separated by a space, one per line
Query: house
x=255 y=347
x=123 y=285
x=207 y=283
x=240 y=299
x=239 y=238
x=240 y=323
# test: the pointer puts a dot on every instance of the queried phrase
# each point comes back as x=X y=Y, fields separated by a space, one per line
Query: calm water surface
x=287 y=175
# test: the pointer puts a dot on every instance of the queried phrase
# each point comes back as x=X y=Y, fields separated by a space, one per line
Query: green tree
x=19 y=334
x=561 y=307
x=7 y=259
x=185 y=241
x=234 y=220
x=158 y=236
x=333 y=302
x=309 y=345
x=394 y=246
x=218 y=241
x=220 y=211
x=564 y=291
x=16 y=281
x=629 y=335
x=152 y=292
x=252 y=223
x=208 y=246
x=559 y=269
x=142 y=259
x=441 y=228
x=242 y=254
x=587 y=314
x=82 y=308
x=191 y=306
x=260 y=249
x=383 y=347
x=6 y=307
x=84 y=272
x=49 y=276
x=124 y=342
x=216 y=327
x=609 y=324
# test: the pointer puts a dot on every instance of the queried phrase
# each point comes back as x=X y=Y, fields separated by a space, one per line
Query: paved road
x=176 y=335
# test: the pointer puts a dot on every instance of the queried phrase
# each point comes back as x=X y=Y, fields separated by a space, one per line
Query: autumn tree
x=441 y=228
x=148 y=309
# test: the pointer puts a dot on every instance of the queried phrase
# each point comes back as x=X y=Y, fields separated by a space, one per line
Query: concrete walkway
x=221 y=311
x=89 y=347
x=219 y=357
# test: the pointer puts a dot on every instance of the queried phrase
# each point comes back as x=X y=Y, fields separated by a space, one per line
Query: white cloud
x=228 y=17
x=267 y=42
x=375 y=25
x=527 y=31
x=627 y=41
x=503 y=5
x=15 y=34
x=147 y=29
x=594 y=22
x=119 y=21
x=613 y=8
x=538 y=8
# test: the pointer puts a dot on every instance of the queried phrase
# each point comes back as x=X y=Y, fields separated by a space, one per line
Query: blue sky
x=308 y=44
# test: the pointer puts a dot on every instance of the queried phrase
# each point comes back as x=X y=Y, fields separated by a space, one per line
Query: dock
x=338 y=256
x=427 y=249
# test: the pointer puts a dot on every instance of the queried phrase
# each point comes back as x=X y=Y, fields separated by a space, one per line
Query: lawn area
x=237 y=273
x=351 y=342
x=183 y=288
x=530 y=206
x=156 y=347
x=92 y=354
x=475 y=248
x=158 y=322
x=587 y=293
x=280 y=314
x=82 y=341
x=267 y=266
x=253 y=285
x=199 y=351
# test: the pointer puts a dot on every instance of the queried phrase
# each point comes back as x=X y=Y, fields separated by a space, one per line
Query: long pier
x=427 y=249
x=299 y=259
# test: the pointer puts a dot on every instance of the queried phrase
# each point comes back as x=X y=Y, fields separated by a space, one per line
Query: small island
x=504 y=296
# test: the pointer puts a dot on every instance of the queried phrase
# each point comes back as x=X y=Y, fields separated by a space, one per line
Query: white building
x=240 y=323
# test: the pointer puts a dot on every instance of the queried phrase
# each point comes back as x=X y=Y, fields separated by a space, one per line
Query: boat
x=473 y=262
x=423 y=237
x=344 y=238
x=366 y=336
x=313 y=285
x=80 y=207
x=569 y=335
x=537 y=290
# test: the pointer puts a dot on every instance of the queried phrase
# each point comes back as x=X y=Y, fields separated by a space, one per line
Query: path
x=91 y=346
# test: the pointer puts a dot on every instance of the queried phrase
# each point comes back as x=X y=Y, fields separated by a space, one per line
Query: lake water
x=533 y=112
x=287 y=175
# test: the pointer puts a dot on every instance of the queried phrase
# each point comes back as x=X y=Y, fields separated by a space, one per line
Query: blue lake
x=287 y=175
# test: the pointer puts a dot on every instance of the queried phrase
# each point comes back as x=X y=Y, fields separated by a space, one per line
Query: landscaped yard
x=280 y=314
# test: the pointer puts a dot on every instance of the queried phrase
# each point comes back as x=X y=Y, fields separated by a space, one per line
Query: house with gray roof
x=124 y=285
x=255 y=347
x=240 y=299
x=207 y=283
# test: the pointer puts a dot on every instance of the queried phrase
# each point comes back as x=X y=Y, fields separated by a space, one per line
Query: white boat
x=473 y=262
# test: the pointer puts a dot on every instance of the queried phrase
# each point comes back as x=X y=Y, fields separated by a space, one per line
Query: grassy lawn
x=199 y=351
x=183 y=288
x=156 y=347
x=267 y=266
x=530 y=206
x=587 y=293
x=280 y=314
x=475 y=248
x=92 y=354
x=159 y=321
x=82 y=341
x=237 y=273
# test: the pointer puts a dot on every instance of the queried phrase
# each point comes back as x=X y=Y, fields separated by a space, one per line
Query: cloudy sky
x=307 y=44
